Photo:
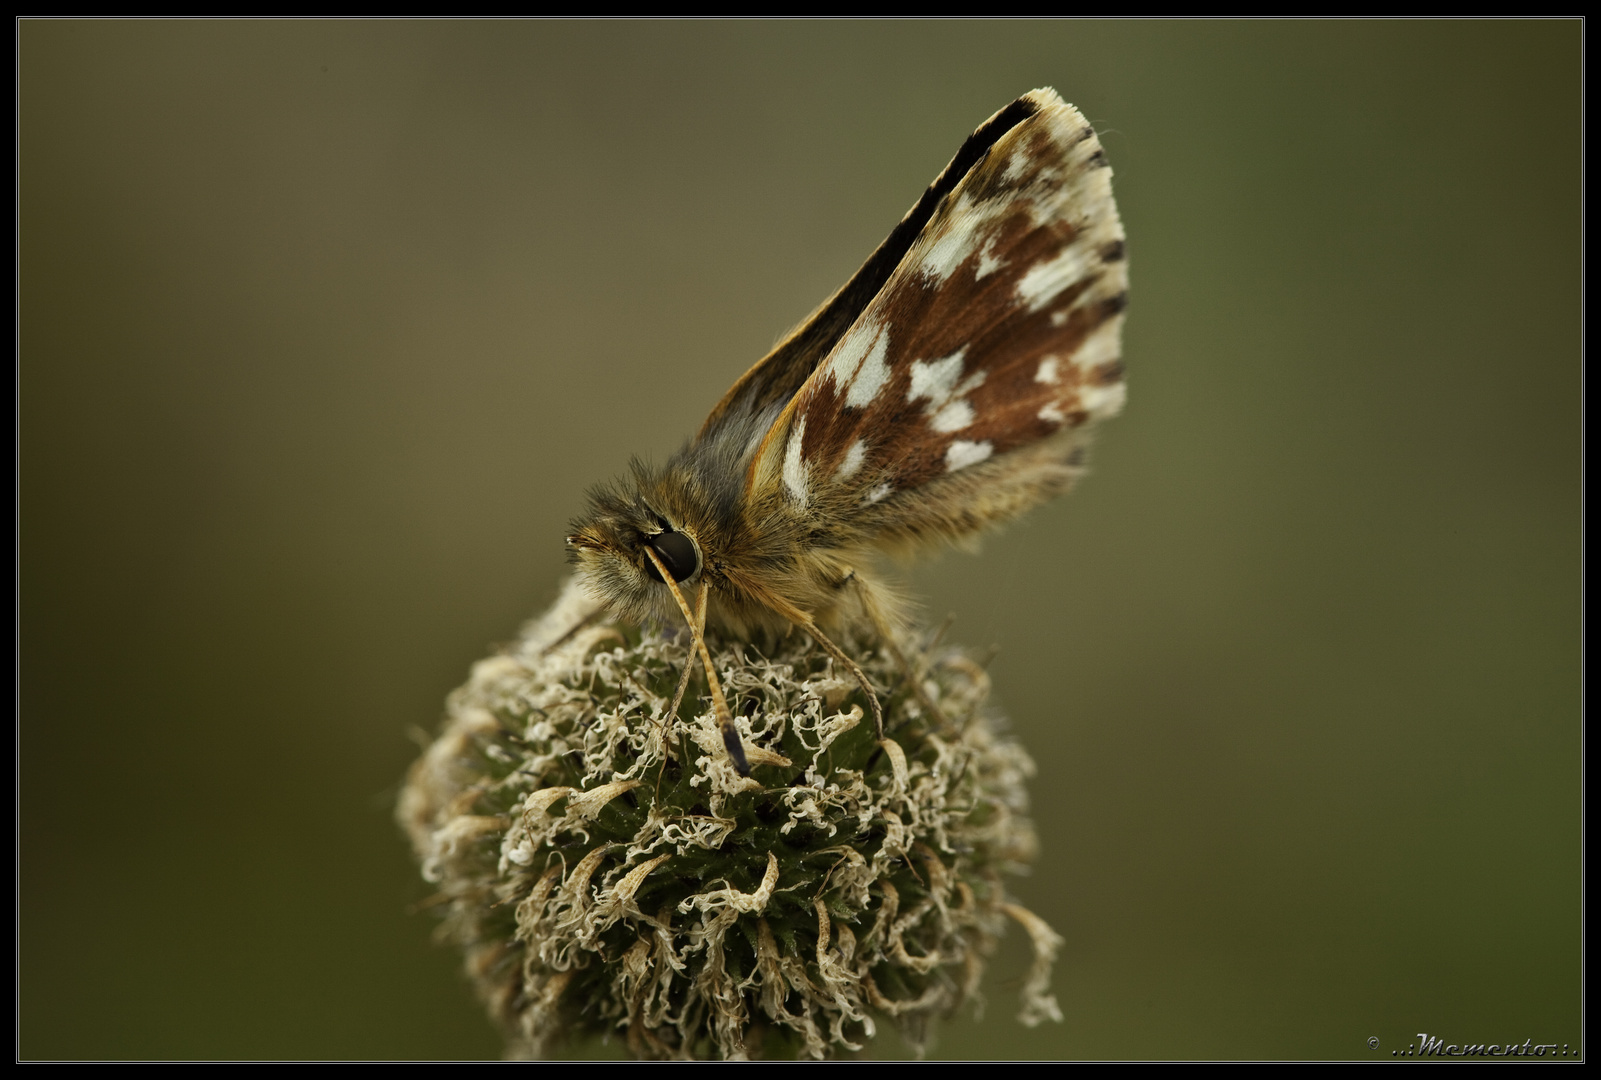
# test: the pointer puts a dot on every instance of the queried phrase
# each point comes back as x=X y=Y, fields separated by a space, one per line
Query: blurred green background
x=326 y=327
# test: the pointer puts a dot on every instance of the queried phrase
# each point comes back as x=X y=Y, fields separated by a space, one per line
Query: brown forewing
x=1009 y=304
x=777 y=377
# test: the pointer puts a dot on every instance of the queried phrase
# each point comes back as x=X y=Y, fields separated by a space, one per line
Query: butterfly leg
x=683 y=683
x=806 y=623
x=861 y=677
x=886 y=631
x=697 y=624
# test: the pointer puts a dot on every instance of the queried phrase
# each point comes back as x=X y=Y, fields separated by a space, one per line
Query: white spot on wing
x=1047 y=279
x=797 y=474
x=877 y=494
x=1047 y=372
x=1052 y=414
x=961 y=453
x=852 y=348
x=936 y=379
x=958 y=241
x=988 y=262
x=1103 y=345
x=872 y=375
x=1103 y=401
x=953 y=417
x=853 y=461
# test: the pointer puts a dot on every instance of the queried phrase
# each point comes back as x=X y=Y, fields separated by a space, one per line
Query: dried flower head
x=606 y=869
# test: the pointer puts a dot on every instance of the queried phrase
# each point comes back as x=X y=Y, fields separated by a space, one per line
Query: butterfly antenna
x=725 y=719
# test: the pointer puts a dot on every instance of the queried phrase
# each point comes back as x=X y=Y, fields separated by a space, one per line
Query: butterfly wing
x=963 y=389
x=773 y=381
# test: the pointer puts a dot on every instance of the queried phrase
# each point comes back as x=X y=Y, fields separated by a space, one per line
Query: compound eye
x=677 y=553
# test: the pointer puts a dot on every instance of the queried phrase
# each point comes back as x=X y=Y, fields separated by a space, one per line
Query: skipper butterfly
x=950 y=385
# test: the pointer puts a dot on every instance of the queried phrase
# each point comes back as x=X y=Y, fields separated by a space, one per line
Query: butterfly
x=947 y=387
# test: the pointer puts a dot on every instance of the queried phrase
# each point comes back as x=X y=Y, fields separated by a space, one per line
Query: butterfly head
x=612 y=547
